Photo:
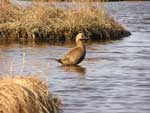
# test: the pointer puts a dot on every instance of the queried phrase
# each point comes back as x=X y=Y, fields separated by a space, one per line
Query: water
x=114 y=77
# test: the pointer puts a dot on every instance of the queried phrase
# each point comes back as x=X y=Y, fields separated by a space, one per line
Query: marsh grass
x=26 y=95
x=42 y=23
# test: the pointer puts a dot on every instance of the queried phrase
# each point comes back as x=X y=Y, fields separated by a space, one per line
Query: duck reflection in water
x=81 y=71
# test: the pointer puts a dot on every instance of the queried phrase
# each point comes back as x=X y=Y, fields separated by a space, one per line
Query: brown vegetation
x=54 y=23
x=26 y=95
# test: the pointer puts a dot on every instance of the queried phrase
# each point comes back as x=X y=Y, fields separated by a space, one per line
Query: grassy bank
x=26 y=95
x=54 y=23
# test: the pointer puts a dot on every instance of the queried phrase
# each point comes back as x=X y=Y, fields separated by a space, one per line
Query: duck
x=75 y=55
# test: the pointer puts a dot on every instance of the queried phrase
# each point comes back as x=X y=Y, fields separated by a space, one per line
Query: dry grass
x=46 y=23
x=8 y=12
x=26 y=95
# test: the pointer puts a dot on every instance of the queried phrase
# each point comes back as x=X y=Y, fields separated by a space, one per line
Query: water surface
x=114 y=77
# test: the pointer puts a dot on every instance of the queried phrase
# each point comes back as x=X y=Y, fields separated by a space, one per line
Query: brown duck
x=77 y=54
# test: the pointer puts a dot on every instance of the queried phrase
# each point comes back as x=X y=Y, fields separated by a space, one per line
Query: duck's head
x=81 y=37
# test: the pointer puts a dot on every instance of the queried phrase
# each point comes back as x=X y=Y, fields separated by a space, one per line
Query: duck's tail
x=58 y=60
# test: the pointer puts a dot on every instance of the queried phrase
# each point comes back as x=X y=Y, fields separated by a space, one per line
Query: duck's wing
x=74 y=56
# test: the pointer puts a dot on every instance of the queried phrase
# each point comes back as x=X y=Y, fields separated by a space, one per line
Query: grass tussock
x=46 y=23
x=26 y=95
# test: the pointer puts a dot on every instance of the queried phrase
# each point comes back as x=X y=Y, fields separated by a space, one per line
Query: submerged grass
x=26 y=95
x=41 y=23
